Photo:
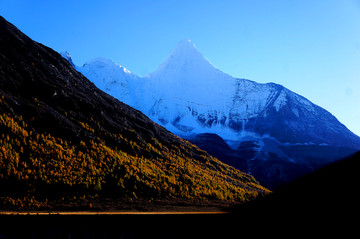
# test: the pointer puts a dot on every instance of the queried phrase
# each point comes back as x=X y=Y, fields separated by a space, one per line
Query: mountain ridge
x=189 y=96
x=258 y=100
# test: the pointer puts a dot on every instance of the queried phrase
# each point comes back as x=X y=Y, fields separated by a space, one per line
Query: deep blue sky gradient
x=311 y=47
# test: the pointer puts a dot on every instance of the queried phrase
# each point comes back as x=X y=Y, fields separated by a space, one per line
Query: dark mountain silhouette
x=65 y=142
x=270 y=169
x=326 y=200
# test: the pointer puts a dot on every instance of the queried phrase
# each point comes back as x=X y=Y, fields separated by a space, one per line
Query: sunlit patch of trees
x=37 y=167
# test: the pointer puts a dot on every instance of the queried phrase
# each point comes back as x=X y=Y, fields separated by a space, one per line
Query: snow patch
x=280 y=101
x=67 y=56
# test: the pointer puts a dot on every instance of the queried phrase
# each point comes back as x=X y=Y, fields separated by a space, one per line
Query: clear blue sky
x=311 y=47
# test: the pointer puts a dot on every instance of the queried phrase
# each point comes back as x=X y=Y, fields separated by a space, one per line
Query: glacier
x=189 y=96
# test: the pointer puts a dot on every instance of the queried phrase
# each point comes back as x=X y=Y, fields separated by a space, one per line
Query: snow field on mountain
x=189 y=96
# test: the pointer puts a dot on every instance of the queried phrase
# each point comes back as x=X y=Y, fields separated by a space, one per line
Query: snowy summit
x=189 y=96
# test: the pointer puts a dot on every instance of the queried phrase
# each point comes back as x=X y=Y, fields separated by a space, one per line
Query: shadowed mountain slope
x=327 y=199
x=65 y=142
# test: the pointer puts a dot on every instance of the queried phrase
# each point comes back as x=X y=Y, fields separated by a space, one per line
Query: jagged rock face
x=189 y=96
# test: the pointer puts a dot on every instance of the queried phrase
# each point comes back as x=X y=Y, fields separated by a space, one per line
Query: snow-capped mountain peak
x=184 y=49
x=67 y=56
x=102 y=62
x=185 y=44
x=112 y=78
x=188 y=95
x=186 y=64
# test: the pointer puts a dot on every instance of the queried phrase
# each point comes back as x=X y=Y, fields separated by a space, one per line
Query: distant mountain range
x=65 y=144
x=263 y=129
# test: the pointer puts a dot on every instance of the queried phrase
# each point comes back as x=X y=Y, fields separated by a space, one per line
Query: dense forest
x=35 y=168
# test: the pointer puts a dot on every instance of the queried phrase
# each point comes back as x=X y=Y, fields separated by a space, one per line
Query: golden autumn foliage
x=36 y=164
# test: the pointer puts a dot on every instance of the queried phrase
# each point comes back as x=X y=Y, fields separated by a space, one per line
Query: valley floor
x=110 y=206
x=173 y=211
